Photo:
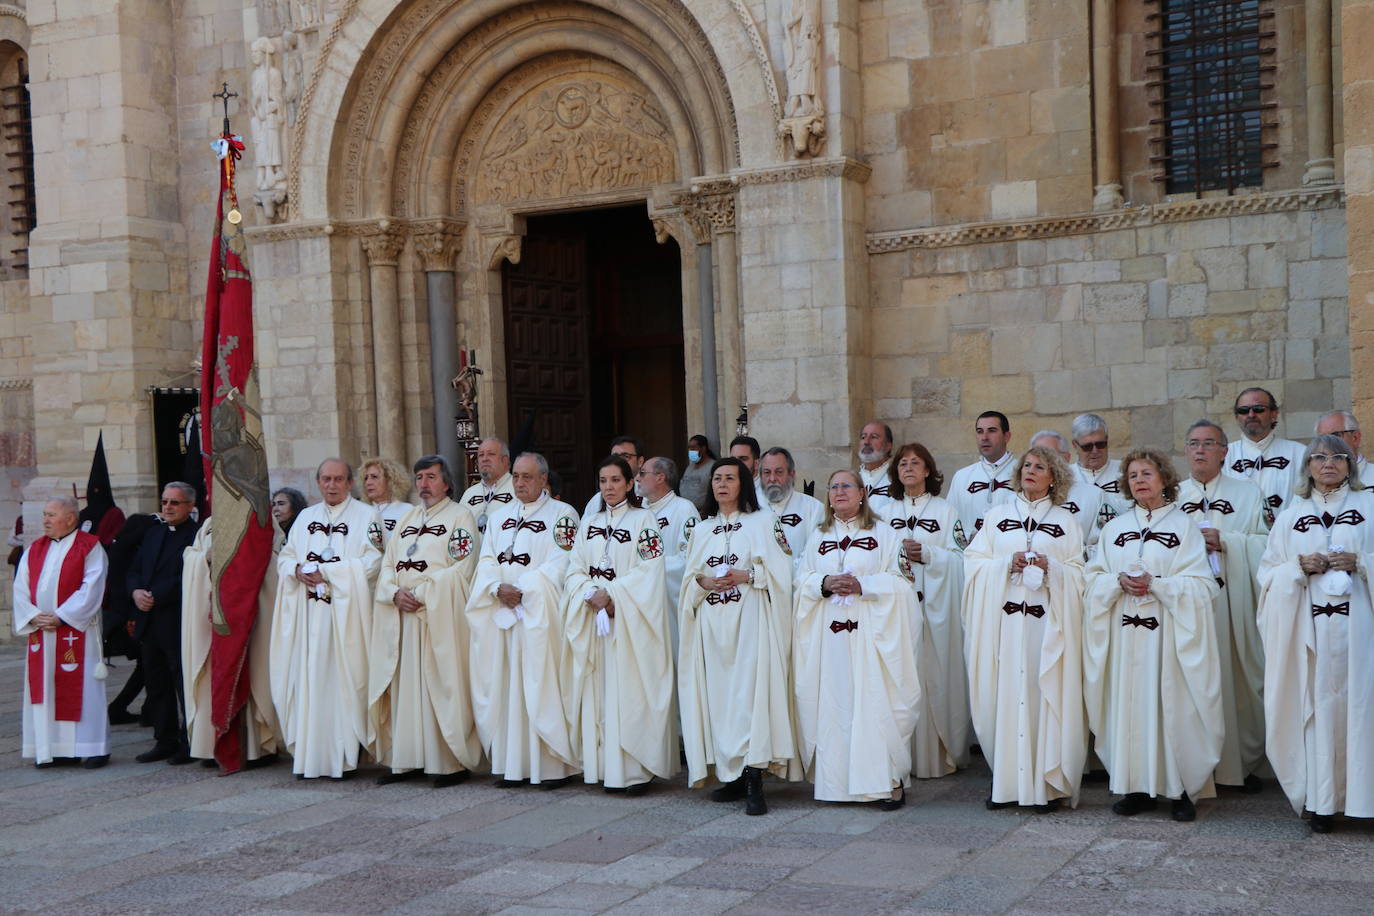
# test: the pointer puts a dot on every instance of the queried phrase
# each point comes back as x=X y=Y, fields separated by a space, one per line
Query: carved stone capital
x=437 y=242
x=709 y=207
x=382 y=243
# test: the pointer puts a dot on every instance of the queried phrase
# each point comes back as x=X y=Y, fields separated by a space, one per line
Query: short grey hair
x=1334 y=445
x=320 y=467
x=539 y=460
x=1346 y=416
x=186 y=489
x=66 y=502
x=791 y=465
x=1064 y=445
x=505 y=449
x=668 y=468
x=1086 y=423
x=1197 y=424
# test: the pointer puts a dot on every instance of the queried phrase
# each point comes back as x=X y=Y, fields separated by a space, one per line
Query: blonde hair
x=1060 y=482
x=1167 y=472
x=398 y=481
x=866 y=517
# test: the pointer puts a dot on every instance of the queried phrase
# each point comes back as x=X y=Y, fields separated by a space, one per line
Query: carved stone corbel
x=507 y=248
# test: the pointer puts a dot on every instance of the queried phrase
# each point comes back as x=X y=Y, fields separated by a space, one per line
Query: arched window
x=17 y=198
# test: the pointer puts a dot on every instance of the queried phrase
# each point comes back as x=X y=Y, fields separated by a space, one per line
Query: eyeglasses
x=1093 y=446
x=1320 y=458
x=1253 y=408
x=174 y=502
x=1202 y=443
x=1344 y=432
x=837 y=487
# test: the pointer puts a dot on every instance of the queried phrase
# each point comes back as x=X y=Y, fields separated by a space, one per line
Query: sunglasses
x=1092 y=446
x=1255 y=408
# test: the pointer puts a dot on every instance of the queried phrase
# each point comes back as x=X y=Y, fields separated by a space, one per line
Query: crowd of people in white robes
x=1067 y=620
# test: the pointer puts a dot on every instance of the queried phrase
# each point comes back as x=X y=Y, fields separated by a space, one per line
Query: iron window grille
x=1212 y=79
x=16 y=129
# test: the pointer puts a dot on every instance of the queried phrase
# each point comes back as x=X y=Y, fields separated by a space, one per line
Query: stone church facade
x=904 y=210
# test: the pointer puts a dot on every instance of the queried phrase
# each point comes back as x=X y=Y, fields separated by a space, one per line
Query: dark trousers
x=165 y=702
x=132 y=688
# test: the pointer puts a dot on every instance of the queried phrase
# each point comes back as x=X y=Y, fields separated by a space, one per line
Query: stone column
x=1321 y=162
x=1106 y=124
x=1357 y=94
x=437 y=245
x=709 y=211
x=383 y=247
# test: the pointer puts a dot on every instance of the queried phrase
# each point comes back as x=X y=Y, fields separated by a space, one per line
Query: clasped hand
x=733 y=578
x=143 y=599
x=601 y=601
x=1212 y=536
x=1019 y=562
x=1315 y=564
x=1137 y=586
x=842 y=584
x=46 y=621
x=912 y=550
x=311 y=579
x=406 y=602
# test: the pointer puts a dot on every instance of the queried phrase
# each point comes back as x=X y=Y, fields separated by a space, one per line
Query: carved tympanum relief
x=573 y=135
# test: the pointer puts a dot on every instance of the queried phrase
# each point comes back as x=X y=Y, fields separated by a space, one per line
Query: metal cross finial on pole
x=225 y=95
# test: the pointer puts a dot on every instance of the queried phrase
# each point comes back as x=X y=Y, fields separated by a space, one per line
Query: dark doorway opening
x=593 y=316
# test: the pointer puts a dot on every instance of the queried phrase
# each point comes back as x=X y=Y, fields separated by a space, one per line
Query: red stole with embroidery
x=69 y=672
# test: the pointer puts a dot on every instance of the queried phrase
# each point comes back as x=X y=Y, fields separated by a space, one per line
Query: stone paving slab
x=134 y=838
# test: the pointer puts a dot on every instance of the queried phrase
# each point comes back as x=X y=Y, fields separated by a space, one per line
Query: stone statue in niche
x=293 y=75
x=575 y=136
x=267 y=98
x=803 y=121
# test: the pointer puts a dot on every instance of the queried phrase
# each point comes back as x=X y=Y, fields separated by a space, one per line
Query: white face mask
x=694 y=456
x=639 y=491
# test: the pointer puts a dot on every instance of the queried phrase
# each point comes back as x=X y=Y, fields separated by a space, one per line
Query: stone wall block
x=1237 y=361
x=938 y=396
x=969 y=355
x=1120 y=342
x=1190 y=383
x=1299 y=359
x=1078 y=342
x=1064 y=303
x=1333 y=356
x=1138 y=385
x=1266 y=267
x=1148 y=267
x=1090 y=272
x=1317 y=279
x=1225 y=268
x=1011 y=394
x=1115 y=302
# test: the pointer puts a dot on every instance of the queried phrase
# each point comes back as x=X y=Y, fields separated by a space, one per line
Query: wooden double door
x=593 y=322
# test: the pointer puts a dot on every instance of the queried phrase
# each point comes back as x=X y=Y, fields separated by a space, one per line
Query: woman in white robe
x=1152 y=678
x=1023 y=608
x=615 y=618
x=931 y=559
x=735 y=620
x=386 y=487
x=858 y=693
x=1317 y=626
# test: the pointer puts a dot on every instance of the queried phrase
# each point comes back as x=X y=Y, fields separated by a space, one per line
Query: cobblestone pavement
x=142 y=838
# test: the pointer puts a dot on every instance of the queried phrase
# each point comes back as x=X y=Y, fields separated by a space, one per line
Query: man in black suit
x=154 y=584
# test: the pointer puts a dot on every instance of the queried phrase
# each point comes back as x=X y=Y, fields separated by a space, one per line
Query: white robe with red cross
x=46 y=581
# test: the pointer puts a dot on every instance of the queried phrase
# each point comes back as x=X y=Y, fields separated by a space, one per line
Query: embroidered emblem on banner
x=374 y=535
x=565 y=532
x=650 y=545
x=459 y=544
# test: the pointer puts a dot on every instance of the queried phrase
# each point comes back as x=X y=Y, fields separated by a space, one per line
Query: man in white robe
x=1261 y=455
x=261 y=733
x=875 y=462
x=1343 y=423
x=419 y=695
x=987 y=481
x=58 y=587
x=493 y=492
x=1084 y=501
x=1230 y=514
x=320 y=628
x=657 y=480
x=516 y=630
x=798 y=513
x=1089 y=434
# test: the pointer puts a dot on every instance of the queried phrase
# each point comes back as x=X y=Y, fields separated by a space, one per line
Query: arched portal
x=461 y=122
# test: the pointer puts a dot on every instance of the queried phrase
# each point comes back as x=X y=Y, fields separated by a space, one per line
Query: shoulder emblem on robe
x=459 y=544
x=781 y=538
x=650 y=545
x=565 y=532
x=687 y=528
x=374 y=535
x=960 y=538
x=1105 y=514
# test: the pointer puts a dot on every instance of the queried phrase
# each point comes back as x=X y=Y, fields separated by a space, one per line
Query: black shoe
x=892 y=804
x=1134 y=803
x=387 y=779
x=180 y=759
x=996 y=805
x=637 y=789
x=210 y=763
x=509 y=783
x=159 y=752
x=96 y=762
x=451 y=779
x=1096 y=776
x=121 y=717
x=1183 y=809
x=730 y=791
x=754 y=803
x=1321 y=823
x=1047 y=807
x=266 y=760
x=1253 y=785
x=614 y=790
x=549 y=785
x=45 y=765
